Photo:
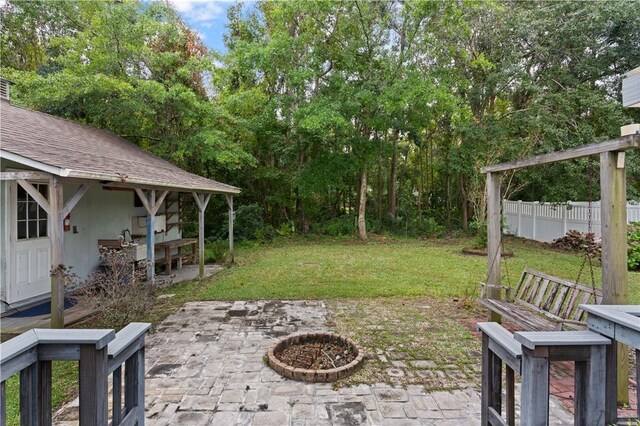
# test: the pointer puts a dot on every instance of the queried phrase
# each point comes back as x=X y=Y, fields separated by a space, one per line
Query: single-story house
x=65 y=186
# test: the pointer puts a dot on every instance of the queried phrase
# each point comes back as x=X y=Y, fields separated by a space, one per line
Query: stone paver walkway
x=206 y=366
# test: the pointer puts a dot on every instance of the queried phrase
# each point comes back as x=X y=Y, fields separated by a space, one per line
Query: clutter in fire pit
x=315 y=357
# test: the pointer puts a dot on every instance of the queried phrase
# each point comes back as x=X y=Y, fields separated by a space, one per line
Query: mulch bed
x=483 y=252
x=316 y=355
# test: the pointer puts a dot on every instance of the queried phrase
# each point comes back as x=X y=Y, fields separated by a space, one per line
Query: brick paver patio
x=206 y=366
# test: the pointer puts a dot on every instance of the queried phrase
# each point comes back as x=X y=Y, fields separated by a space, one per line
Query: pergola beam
x=619 y=144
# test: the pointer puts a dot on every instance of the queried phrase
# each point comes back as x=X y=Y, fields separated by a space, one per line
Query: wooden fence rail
x=99 y=354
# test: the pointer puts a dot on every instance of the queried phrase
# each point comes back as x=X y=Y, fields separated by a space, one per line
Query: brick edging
x=309 y=375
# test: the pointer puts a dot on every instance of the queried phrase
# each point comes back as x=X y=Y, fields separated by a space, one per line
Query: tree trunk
x=362 y=207
x=465 y=212
x=379 y=191
x=392 y=177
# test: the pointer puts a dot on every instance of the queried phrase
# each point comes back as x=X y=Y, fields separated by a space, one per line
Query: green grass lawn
x=323 y=268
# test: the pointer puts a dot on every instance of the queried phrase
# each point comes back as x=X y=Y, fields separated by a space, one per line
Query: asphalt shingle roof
x=91 y=153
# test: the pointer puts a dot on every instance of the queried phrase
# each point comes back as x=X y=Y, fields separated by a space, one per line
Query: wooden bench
x=542 y=302
x=180 y=256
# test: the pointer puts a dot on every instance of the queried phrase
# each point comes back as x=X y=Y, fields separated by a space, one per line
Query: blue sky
x=207 y=17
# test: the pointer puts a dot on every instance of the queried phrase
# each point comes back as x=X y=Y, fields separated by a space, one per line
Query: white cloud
x=199 y=10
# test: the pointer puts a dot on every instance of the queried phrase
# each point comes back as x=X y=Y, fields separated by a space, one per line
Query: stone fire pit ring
x=309 y=375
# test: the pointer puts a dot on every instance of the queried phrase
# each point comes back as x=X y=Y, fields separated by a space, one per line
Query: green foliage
x=633 y=246
x=216 y=251
x=312 y=96
x=249 y=223
x=338 y=226
x=479 y=229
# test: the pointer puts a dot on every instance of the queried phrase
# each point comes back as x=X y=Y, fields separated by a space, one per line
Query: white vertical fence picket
x=548 y=221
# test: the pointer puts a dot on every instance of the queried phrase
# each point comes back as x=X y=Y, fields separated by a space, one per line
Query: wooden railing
x=622 y=324
x=100 y=353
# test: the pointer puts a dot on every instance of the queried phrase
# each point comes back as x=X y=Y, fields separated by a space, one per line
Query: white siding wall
x=100 y=214
x=547 y=221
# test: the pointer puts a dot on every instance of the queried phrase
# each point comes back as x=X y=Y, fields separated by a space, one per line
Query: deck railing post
x=93 y=386
x=29 y=395
x=140 y=385
x=116 y=402
x=44 y=392
x=3 y=404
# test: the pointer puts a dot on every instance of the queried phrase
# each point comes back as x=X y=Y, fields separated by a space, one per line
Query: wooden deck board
x=10 y=327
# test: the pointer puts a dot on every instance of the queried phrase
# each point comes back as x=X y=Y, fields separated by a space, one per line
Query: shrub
x=215 y=251
x=633 y=245
x=341 y=225
x=119 y=292
x=249 y=222
x=479 y=229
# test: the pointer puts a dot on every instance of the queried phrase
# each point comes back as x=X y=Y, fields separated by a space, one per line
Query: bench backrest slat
x=535 y=284
x=525 y=281
x=574 y=293
x=560 y=298
x=542 y=291
x=555 y=295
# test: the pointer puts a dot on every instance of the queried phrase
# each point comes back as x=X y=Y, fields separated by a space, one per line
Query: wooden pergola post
x=56 y=225
x=494 y=238
x=229 y=199
x=613 y=193
x=201 y=200
x=151 y=205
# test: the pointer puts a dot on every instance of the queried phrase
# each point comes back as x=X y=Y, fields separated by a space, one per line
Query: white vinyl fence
x=548 y=221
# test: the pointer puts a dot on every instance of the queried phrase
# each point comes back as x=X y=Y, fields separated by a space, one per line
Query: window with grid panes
x=32 y=219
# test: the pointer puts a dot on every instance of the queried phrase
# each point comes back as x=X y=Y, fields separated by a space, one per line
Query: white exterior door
x=29 y=247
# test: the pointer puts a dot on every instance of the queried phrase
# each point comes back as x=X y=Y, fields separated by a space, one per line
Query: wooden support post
x=638 y=380
x=93 y=386
x=140 y=385
x=496 y=385
x=486 y=384
x=116 y=402
x=29 y=395
x=201 y=200
x=534 y=408
x=229 y=199
x=151 y=238
x=130 y=397
x=510 y=396
x=494 y=236
x=595 y=376
x=579 y=392
x=56 y=226
x=44 y=392
x=3 y=404
x=613 y=192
